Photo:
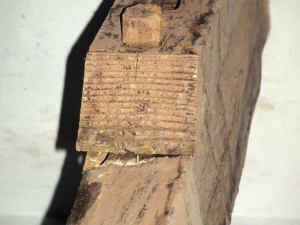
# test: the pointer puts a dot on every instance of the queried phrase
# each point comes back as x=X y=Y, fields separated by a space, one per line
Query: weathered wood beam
x=173 y=118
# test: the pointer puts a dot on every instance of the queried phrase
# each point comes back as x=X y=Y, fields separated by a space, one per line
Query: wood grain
x=144 y=103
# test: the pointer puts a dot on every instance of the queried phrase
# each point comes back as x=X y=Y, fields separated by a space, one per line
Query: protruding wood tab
x=143 y=25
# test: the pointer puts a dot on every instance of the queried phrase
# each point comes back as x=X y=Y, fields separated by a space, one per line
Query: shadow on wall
x=66 y=190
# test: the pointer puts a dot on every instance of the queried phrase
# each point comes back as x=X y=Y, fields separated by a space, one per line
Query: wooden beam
x=173 y=119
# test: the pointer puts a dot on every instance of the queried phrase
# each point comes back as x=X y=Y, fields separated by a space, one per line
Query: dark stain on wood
x=86 y=197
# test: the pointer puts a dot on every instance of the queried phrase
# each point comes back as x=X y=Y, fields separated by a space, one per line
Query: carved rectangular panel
x=140 y=102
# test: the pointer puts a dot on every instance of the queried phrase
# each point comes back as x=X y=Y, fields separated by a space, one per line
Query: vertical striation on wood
x=227 y=94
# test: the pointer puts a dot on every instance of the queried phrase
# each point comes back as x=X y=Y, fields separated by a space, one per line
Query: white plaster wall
x=270 y=186
x=36 y=38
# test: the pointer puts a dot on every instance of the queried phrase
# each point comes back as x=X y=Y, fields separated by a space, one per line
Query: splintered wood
x=185 y=106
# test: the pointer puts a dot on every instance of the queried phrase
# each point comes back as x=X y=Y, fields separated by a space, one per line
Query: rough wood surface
x=228 y=41
x=142 y=193
x=143 y=103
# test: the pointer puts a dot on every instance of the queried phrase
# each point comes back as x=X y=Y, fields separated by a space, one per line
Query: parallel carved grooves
x=143 y=102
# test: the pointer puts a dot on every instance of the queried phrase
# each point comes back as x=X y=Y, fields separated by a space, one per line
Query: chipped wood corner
x=166 y=114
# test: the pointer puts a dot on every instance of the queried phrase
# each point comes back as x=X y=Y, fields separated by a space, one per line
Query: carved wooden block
x=190 y=99
x=141 y=99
